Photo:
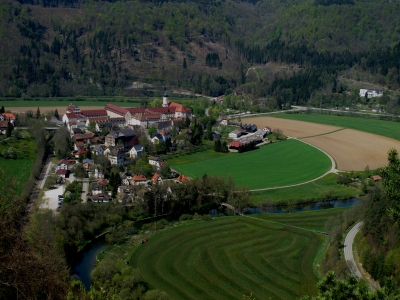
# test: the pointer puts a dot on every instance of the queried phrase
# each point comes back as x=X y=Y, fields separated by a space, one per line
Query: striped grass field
x=272 y=165
x=229 y=257
x=19 y=169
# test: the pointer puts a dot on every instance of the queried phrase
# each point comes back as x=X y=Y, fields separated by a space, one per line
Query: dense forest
x=68 y=47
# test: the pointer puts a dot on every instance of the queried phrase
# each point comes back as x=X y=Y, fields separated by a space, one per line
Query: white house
x=371 y=93
x=61 y=165
x=136 y=151
x=235 y=134
x=156 y=161
x=97 y=188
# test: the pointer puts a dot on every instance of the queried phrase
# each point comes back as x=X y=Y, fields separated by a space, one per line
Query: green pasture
x=18 y=169
x=195 y=157
x=385 y=128
x=324 y=188
x=276 y=164
x=229 y=257
x=84 y=101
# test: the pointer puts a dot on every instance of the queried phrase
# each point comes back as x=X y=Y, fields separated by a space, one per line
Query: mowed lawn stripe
x=277 y=164
x=228 y=257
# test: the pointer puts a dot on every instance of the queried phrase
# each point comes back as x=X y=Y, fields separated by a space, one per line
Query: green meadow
x=18 y=169
x=277 y=164
x=325 y=188
x=269 y=255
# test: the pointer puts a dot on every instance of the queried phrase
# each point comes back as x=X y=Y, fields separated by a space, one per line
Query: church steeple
x=165 y=100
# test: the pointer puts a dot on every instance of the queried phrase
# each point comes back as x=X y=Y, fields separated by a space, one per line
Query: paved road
x=348 y=250
x=47 y=167
x=85 y=189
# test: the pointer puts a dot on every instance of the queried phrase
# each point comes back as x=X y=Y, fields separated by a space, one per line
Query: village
x=116 y=153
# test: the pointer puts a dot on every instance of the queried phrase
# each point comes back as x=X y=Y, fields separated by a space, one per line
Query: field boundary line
x=268 y=221
x=332 y=170
x=306 y=137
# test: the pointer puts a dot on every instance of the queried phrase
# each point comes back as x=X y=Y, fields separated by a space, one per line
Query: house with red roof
x=235 y=145
x=69 y=117
x=182 y=178
x=139 y=179
x=156 y=178
x=79 y=145
x=7 y=117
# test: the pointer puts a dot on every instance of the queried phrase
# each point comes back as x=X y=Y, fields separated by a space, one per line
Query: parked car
x=144 y=241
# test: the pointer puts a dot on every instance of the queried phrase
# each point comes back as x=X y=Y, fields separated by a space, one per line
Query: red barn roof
x=116 y=109
x=235 y=144
x=94 y=113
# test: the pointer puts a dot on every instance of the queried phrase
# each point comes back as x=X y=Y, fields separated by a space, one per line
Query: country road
x=348 y=250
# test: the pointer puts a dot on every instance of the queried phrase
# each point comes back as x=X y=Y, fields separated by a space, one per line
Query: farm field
x=18 y=168
x=18 y=106
x=385 y=128
x=354 y=150
x=195 y=157
x=351 y=149
x=229 y=257
x=322 y=188
x=291 y=128
x=276 y=164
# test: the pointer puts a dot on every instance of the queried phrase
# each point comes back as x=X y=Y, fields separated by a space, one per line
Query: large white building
x=142 y=116
x=371 y=93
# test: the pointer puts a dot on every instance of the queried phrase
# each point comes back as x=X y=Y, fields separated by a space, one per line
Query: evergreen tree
x=56 y=114
x=9 y=129
x=2 y=110
x=184 y=63
x=38 y=113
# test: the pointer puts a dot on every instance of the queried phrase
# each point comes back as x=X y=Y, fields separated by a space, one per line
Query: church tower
x=165 y=100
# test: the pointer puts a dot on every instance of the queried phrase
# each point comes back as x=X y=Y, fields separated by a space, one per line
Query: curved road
x=348 y=250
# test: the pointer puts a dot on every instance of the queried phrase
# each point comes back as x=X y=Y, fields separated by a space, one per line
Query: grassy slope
x=384 y=128
x=321 y=189
x=18 y=168
x=229 y=257
x=278 y=164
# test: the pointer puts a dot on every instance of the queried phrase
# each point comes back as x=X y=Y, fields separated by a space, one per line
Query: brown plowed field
x=351 y=149
x=61 y=109
x=354 y=150
x=290 y=127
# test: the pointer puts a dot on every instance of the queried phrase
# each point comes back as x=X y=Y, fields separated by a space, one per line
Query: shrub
x=185 y=217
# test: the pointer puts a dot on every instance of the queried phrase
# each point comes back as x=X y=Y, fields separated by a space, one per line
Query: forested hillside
x=76 y=47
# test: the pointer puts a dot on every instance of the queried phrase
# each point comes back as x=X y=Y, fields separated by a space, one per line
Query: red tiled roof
x=87 y=135
x=71 y=115
x=94 y=113
x=182 y=178
x=103 y=181
x=376 y=177
x=236 y=144
x=99 y=120
x=81 y=151
x=155 y=177
x=135 y=110
x=161 y=110
x=139 y=177
x=115 y=109
x=78 y=144
x=62 y=171
x=9 y=116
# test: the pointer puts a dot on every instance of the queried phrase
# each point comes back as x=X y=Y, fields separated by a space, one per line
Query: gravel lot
x=51 y=198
